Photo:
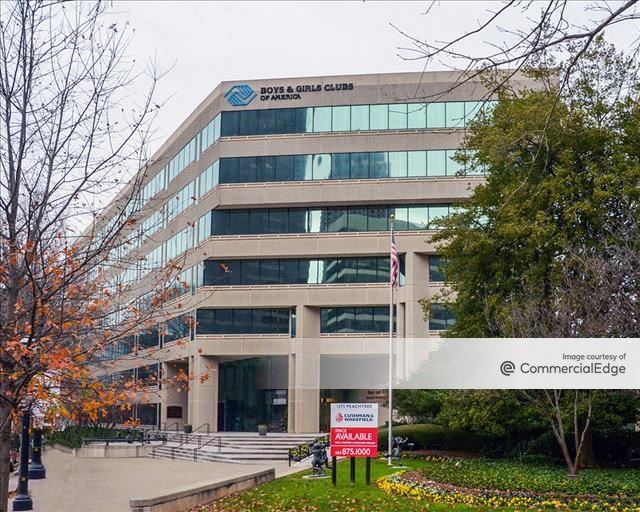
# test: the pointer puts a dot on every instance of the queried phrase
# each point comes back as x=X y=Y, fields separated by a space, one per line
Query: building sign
x=295 y=92
x=240 y=95
x=354 y=430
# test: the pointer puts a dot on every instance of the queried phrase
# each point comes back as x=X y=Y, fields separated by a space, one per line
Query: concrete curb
x=189 y=496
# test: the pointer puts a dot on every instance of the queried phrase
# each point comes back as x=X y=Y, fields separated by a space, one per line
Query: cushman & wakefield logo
x=240 y=95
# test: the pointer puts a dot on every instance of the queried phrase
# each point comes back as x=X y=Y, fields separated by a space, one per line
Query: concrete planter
x=191 y=496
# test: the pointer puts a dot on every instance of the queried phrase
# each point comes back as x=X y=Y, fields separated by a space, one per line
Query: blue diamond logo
x=240 y=95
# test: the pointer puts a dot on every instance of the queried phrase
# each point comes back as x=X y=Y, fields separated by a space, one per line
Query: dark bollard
x=37 y=470
x=334 y=470
x=368 y=471
x=23 y=501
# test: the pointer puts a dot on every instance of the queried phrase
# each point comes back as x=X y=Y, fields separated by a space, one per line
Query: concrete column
x=203 y=391
x=417 y=288
x=175 y=393
x=166 y=373
x=304 y=373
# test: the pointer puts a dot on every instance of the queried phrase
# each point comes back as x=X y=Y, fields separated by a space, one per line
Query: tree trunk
x=587 y=457
x=572 y=467
x=5 y=446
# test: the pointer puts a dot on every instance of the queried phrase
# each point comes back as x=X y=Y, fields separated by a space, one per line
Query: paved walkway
x=76 y=484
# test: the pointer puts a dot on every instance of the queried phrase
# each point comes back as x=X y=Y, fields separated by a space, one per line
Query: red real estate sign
x=354 y=430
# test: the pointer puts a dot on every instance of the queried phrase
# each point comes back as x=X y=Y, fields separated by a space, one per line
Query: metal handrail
x=201 y=446
x=204 y=424
x=166 y=427
x=186 y=439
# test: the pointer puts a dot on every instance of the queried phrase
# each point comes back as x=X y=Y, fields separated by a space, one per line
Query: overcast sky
x=209 y=42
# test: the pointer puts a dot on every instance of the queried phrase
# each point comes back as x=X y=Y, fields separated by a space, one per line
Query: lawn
x=293 y=493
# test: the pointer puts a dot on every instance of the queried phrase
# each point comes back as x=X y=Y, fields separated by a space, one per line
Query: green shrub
x=72 y=437
x=614 y=447
x=427 y=436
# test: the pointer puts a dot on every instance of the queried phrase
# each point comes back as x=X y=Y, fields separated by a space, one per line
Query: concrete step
x=231 y=447
x=202 y=456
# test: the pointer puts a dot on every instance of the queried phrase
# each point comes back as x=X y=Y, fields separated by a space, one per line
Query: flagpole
x=390 y=445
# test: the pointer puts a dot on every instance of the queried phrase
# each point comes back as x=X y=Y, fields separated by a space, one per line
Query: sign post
x=354 y=433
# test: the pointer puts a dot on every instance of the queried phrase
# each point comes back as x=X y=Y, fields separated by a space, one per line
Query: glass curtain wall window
x=344 y=118
x=326 y=220
x=363 y=320
x=149 y=338
x=334 y=166
x=148 y=375
x=177 y=328
x=441 y=317
x=183 y=199
x=242 y=321
x=178 y=244
x=436 y=269
x=298 y=271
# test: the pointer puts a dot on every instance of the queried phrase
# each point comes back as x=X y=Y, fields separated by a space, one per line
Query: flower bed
x=415 y=485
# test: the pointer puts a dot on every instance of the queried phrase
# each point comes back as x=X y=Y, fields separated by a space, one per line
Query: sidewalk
x=106 y=485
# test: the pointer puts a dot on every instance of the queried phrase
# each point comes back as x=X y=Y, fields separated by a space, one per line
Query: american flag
x=395 y=263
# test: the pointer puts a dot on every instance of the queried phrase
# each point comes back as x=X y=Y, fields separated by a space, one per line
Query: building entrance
x=253 y=391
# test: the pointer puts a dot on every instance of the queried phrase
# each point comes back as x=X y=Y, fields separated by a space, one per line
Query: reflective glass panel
x=297 y=219
x=436 y=115
x=341 y=120
x=360 y=117
x=284 y=168
x=398 y=116
x=230 y=124
x=417 y=163
x=378 y=218
x=358 y=219
x=229 y=170
x=437 y=162
x=337 y=219
x=378 y=165
x=278 y=221
x=417 y=115
x=359 y=165
x=303 y=167
x=436 y=273
x=286 y=120
x=471 y=110
x=304 y=120
x=270 y=272
x=398 y=164
x=322 y=166
x=453 y=167
x=267 y=122
x=322 y=119
x=379 y=116
x=455 y=114
x=341 y=164
x=418 y=217
x=437 y=213
x=401 y=218
x=248 y=122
